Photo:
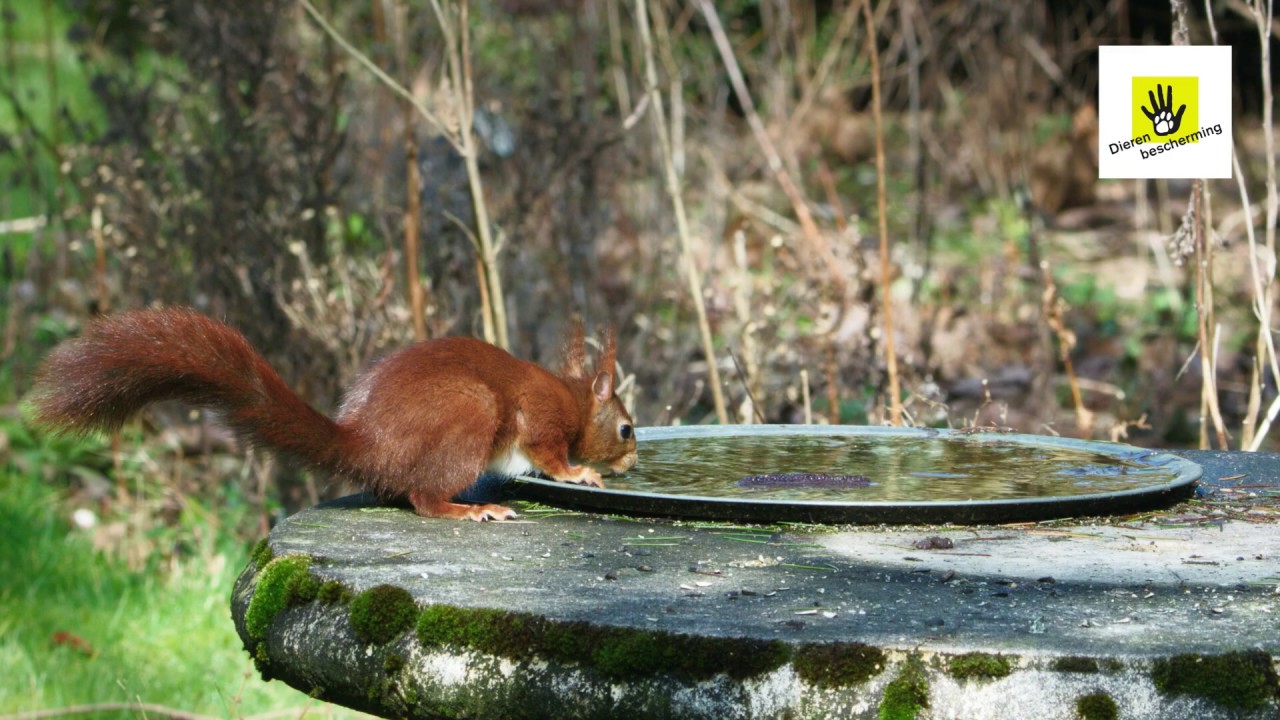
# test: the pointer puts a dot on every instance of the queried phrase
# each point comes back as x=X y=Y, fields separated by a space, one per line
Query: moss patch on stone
x=333 y=592
x=261 y=553
x=381 y=613
x=907 y=694
x=1075 y=664
x=832 y=665
x=304 y=590
x=1097 y=706
x=978 y=665
x=624 y=653
x=282 y=583
x=617 y=653
x=1236 y=679
x=1081 y=664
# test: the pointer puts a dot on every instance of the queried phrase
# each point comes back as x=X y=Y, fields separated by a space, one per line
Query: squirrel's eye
x=624 y=430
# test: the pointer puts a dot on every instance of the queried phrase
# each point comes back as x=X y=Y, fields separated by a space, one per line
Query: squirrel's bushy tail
x=124 y=362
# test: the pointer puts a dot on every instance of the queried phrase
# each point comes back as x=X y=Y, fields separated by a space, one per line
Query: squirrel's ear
x=574 y=352
x=609 y=355
x=602 y=386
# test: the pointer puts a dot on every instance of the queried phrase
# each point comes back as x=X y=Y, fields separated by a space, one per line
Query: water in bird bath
x=876 y=474
x=848 y=467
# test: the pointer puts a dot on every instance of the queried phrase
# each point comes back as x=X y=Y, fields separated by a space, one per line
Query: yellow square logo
x=1166 y=109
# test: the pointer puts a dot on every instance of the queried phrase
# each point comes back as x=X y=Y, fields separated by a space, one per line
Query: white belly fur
x=509 y=463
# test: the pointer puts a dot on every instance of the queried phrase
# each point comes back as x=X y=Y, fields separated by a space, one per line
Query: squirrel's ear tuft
x=609 y=355
x=574 y=352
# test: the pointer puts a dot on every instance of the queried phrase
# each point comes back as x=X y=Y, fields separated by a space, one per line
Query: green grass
x=162 y=638
x=30 y=47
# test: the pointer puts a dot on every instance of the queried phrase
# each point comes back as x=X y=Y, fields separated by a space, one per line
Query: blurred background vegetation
x=240 y=158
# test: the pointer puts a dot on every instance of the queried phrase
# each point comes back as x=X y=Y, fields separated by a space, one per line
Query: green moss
x=411 y=697
x=1236 y=679
x=381 y=613
x=261 y=662
x=334 y=593
x=381 y=692
x=261 y=553
x=907 y=694
x=1081 y=664
x=1097 y=706
x=627 y=653
x=304 y=590
x=617 y=653
x=832 y=665
x=633 y=654
x=980 y=665
x=277 y=589
x=392 y=663
x=489 y=631
x=1076 y=664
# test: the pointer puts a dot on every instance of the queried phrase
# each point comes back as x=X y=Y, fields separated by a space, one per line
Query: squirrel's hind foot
x=431 y=507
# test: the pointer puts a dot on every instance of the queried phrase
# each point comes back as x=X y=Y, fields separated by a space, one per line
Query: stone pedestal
x=565 y=615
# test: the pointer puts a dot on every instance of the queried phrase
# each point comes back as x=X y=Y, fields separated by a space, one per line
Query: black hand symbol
x=1163 y=120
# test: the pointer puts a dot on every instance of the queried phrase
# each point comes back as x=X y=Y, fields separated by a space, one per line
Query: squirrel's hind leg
x=429 y=506
x=453 y=451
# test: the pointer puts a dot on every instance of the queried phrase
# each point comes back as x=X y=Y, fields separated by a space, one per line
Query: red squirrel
x=423 y=423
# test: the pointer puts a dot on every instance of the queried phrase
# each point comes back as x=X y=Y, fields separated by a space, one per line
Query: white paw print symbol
x=1164 y=121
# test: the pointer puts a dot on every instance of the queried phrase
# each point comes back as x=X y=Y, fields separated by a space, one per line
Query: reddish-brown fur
x=423 y=423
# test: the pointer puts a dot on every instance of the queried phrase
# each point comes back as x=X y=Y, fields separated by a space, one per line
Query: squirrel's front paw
x=584 y=475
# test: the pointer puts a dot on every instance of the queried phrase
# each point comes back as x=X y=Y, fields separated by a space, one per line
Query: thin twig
x=882 y=205
x=744 y=204
x=804 y=396
x=659 y=116
x=1052 y=306
x=915 y=149
x=458 y=51
x=616 y=58
x=1264 y=346
x=1204 y=313
x=746 y=385
x=382 y=76
x=1203 y=278
x=742 y=297
x=798 y=204
x=1265 y=349
x=1263 y=15
x=835 y=48
x=413 y=184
